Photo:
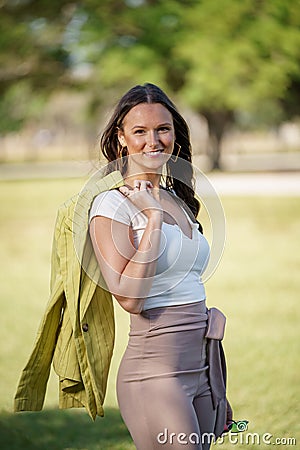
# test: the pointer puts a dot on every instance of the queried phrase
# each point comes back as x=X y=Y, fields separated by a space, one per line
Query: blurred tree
x=243 y=62
x=229 y=60
x=33 y=61
x=131 y=41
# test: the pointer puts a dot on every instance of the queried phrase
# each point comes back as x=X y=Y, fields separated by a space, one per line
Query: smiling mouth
x=152 y=153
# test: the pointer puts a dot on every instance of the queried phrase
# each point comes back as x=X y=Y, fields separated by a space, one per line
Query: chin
x=144 y=162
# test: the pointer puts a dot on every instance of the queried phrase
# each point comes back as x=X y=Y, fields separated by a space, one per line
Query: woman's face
x=148 y=133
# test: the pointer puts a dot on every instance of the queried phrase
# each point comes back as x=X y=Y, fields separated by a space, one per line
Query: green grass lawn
x=257 y=285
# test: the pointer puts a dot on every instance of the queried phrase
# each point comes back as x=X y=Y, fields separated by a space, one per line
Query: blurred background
x=231 y=66
x=233 y=69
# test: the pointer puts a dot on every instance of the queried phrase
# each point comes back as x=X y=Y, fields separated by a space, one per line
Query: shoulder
x=111 y=199
x=111 y=204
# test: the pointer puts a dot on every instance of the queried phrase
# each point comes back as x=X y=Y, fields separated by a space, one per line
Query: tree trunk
x=214 y=150
x=218 y=122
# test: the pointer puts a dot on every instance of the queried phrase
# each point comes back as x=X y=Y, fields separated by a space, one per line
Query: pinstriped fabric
x=77 y=330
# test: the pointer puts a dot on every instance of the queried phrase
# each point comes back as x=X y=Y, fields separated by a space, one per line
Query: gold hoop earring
x=177 y=154
x=121 y=152
x=121 y=158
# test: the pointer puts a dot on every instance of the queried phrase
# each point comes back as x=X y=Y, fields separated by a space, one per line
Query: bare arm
x=128 y=271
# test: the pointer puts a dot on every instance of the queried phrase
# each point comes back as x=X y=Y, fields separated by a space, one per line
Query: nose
x=153 y=140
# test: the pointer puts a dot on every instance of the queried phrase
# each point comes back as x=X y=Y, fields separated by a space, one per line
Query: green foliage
x=242 y=53
x=19 y=104
x=32 y=58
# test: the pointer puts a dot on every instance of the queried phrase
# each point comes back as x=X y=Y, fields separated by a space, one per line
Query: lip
x=153 y=153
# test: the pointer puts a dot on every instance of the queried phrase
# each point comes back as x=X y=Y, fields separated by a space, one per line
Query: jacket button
x=85 y=327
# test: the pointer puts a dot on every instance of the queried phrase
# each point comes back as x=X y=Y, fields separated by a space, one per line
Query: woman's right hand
x=129 y=271
x=144 y=197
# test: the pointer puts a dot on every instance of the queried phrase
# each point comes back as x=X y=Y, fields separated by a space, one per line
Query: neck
x=154 y=178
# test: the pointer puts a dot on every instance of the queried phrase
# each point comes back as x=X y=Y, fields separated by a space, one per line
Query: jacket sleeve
x=31 y=390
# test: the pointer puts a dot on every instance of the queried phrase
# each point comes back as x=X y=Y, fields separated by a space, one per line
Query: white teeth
x=153 y=152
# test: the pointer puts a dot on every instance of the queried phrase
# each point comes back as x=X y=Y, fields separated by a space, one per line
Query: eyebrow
x=158 y=126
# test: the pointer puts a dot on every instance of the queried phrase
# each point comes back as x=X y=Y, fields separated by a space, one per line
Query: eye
x=139 y=131
x=164 y=129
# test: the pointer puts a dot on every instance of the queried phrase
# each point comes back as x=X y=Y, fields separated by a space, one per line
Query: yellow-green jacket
x=77 y=330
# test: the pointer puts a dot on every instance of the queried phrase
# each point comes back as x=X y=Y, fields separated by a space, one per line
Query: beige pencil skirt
x=162 y=385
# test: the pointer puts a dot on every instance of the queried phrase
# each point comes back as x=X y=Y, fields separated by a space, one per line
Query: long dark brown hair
x=179 y=174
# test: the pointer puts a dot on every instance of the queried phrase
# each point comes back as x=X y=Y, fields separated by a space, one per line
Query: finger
x=136 y=184
x=149 y=185
x=143 y=185
x=124 y=190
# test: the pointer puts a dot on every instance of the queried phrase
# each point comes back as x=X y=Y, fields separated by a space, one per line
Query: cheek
x=134 y=143
x=169 y=141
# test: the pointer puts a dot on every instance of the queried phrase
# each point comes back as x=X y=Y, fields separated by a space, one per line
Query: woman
x=151 y=252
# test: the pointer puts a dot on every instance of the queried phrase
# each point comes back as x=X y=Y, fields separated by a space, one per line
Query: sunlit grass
x=257 y=285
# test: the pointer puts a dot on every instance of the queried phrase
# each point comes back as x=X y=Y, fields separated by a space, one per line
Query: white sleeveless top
x=181 y=260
